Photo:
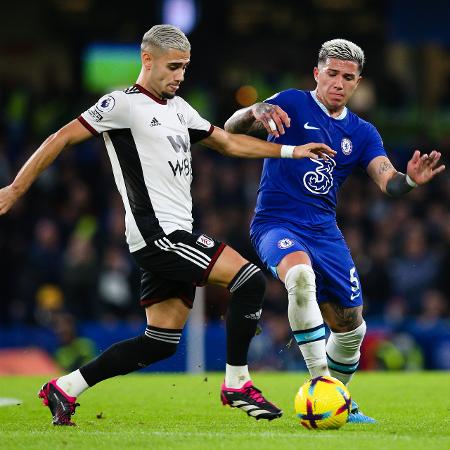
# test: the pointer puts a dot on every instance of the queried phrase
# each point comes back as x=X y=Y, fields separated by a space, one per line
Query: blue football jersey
x=304 y=191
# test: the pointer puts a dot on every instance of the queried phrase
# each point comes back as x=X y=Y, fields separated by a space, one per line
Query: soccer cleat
x=250 y=399
x=356 y=416
x=61 y=405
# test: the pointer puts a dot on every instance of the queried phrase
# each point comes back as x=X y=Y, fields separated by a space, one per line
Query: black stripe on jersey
x=198 y=135
x=137 y=193
x=132 y=90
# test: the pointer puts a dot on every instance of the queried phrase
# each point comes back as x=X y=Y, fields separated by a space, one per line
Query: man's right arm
x=72 y=133
x=258 y=120
x=242 y=121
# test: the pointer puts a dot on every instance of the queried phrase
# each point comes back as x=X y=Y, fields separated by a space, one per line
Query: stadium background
x=67 y=283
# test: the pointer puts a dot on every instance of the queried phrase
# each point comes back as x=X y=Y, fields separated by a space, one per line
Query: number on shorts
x=354 y=283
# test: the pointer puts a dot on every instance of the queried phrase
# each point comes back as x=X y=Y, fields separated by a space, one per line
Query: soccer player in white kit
x=148 y=131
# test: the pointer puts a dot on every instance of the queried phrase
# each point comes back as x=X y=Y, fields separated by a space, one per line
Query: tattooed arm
x=420 y=170
x=258 y=120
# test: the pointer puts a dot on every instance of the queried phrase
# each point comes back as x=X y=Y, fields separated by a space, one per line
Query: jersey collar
x=149 y=94
x=341 y=116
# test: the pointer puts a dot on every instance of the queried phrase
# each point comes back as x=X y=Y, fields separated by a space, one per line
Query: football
x=323 y=403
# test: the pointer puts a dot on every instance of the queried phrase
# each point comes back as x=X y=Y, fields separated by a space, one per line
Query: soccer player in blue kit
x=294 y=229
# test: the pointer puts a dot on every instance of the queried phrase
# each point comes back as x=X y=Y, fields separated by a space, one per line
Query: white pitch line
x=4 y=401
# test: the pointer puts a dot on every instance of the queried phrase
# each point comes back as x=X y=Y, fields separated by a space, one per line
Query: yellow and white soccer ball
x=323 y=403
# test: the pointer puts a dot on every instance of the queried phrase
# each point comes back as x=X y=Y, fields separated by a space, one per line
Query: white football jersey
x=148 y=142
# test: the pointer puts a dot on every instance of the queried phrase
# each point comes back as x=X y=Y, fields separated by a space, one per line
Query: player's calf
x=132 y=354
x=247 y=291
x=305 y=318
x=343 y=352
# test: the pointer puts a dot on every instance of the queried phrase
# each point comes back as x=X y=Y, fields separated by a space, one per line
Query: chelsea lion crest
x=346 y=146
x=285 y=243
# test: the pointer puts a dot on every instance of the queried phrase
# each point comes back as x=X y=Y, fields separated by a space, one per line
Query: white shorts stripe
x=182 y=244
x=169 y=245
x=188 y=249
x=180 y=252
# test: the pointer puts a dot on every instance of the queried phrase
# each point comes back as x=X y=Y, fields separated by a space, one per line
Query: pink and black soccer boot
x=61 y=405
x=250 y=399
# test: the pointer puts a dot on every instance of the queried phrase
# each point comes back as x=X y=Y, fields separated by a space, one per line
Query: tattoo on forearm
x=263 y=108
x=237 y=125
x=257 y=130
x=385 y=167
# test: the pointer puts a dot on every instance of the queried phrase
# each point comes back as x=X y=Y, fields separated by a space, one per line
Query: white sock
x=236 y=376
x=72 y=384
x=343 y=352
x=306 y=319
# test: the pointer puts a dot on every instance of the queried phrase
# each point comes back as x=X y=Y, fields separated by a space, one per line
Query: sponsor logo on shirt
x=106 y=103
x=205 y=241
x=285 y=243
x=310 y=127
x=346 y=146
x=95 y=115
x=154 y=122
x=320 y=180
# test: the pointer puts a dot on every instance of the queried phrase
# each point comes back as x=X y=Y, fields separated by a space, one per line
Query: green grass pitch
x=178 y=411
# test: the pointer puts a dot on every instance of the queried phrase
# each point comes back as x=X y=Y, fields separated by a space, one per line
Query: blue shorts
x=336 y=277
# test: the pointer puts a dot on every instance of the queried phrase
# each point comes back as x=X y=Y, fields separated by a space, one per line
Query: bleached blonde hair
x=342 y=49
x=165 y=37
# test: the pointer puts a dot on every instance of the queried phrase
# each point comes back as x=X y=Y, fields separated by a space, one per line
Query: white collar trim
x=341 y=116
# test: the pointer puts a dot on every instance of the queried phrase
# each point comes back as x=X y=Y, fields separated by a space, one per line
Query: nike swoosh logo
x=353 y=296
x=310 y=127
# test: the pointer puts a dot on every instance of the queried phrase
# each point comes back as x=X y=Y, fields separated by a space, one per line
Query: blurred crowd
x=63 y=243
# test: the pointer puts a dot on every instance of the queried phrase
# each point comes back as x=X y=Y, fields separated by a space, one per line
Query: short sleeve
x=277 y=99
x=284 y=100
x=373 y=146
x=111 y=112
x=198 y=127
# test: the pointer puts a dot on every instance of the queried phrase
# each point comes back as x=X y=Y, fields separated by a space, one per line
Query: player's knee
x=356 y=336
x=248 y=287
x=300 y=280
x=350 y=340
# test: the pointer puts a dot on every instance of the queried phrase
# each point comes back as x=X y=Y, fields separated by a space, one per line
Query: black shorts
x=173 y=265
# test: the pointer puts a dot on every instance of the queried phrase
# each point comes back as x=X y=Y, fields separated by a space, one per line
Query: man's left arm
x=243 y=146
x=420 y=170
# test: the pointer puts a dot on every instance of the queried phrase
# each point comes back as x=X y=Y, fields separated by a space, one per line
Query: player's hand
x=272 y=117
x=314 y=150
x=422 y=168
x=7 y=199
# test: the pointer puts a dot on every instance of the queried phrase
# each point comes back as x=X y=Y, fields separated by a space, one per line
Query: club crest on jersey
x=346 y=146
x=106 y=103
x=285 y=243
x=181 y=119
x=205 y=241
